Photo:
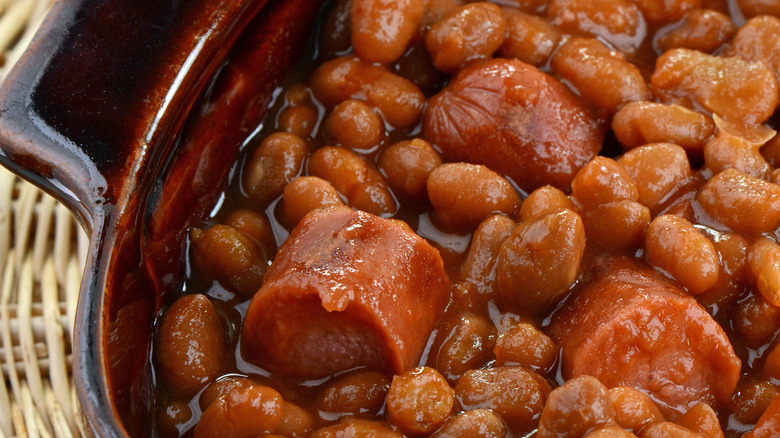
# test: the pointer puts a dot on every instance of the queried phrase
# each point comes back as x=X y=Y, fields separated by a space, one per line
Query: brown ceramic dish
x=130 y=114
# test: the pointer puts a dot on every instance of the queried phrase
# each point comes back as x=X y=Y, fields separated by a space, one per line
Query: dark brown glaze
x=95 y=113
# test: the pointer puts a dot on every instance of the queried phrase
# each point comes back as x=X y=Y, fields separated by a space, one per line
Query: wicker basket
x=42 y=252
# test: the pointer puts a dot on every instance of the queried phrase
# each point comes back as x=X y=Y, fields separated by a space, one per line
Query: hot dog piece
x=629 y=326
x=346 y=289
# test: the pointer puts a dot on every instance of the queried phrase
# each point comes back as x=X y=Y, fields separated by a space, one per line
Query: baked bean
x=353 y=124
x=619 y=22
x=243 y=413
x=737 y=147
x=771 y=367
x=419 y=400
x=769 y=424
x=478 y=267
x=639 y=123
x=733 y=88
x=733 y=250
x=299 y=120
x=633 y=409
x=296 y=422
x=721 y=6
x=755 y=319
x=702 y=419
x=473 y=31
x=477 y=423
x=356 y=393
x=661 y=12
x=601 y=76
x=463 y=344
x=771 y=152
x=173 y=417
x=357 y=428
x=298 y=94
x=191 y=345
x=230 y=256
x=602 y=181
x=435 y=10
x=544 y=200
x=516 y=394
x=676 y=246
x=336 y=37
x=526 y=346
x=764 y=264
x=576 y=407
x=355 y=178
x=609 y=432
x=381 y=30
x=398 y=100
x=701 y=29
x=304 y=194
x=529 y=6
x=658 y=170
x=617 y=226
x=464 y=194
x=272 y=165
x=223 y=386
x=255 y=225
x=752 y=8
x=416 y=65
x=667 y=429
x=751 y=400
x=757 y=40
x=740 y=202
x=540 y=260
x=529 y=38
x=406 y=165
x=538 y=130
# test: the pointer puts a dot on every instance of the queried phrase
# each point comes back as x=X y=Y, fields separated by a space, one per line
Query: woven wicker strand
x=42 y=253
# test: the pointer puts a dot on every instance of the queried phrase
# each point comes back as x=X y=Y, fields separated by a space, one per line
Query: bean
x=526 y=346
x=464 y=194
x=768 y=424
x=355 y=427
x=419 y=400
x=299 y=120
x=271 y=166
x=356 y=393
x=190 y=345
x=733 y=250
x=435 y=10
x=740 y=202
x=382 y=30
x=617 y=226
x=473 y=31
x=463 y=344
x=355 y=178
x=230 y=256
x=406 y=165
x=173 y=417
x=243 y=413
x=539 y=132
x=666 y=11
x=336 y=36
x=753 y=8
x=304 y=194
x=702 y=419
x=735 y=89
x=544 y=200
x=529 y=38
x=296 y=422
x=701 y=29
x=222 y=387
x=416 y=65
x=755 y=319
x=477 y=423
x=529 y=6
x=255 y=225
x=667 y=429
x=602 y=181
x=633 y=409
x=620 y=22
x=609 y=432
x=751 y=400
x=757 y=40
x=574 y=408
x=639 y=123
x=398 y=100
x=516 y=394
x=676 y=246
x=601 y=76
x=735 y=147
x=658 y=170
x=764 y=265
x=354 y=125
x=540 y=260
x=478 y=268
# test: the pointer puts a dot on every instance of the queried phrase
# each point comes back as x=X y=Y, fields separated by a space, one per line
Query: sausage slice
x=630 y=326
x=347 y=289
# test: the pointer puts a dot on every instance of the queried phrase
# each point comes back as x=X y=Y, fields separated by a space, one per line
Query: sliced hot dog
x=346 y=289
x=630 y=326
